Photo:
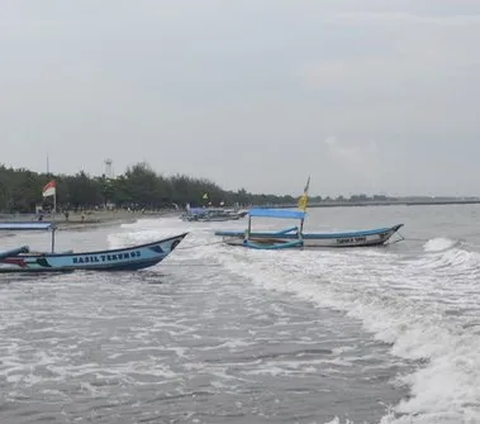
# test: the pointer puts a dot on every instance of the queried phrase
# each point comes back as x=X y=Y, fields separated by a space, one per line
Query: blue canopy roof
x=25 y=226
x=277 y=213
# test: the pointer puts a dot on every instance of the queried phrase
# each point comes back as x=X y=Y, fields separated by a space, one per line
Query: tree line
x=139 y=187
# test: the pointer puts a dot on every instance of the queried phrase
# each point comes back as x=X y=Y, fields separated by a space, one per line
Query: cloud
x=347 y=155
x=422 y=83
x=360 y=161
x=331 y=140
x=419 y=52
x=399 y=18
x=215 y=88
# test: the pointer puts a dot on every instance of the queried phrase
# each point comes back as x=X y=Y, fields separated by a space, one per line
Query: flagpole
x=50 y=189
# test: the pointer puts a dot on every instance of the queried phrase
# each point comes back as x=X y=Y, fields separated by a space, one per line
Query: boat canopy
x=25 y=226
x=277 y=213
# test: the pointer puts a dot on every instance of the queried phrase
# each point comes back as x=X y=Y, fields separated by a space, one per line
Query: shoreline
x=349 y=204
x=90 y=219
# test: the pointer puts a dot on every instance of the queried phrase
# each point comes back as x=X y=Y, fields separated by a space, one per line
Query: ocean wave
x=423 y=306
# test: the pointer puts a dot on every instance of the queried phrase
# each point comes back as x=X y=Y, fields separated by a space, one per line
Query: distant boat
x=212 y=214
x=132 y=258
x=294 y=237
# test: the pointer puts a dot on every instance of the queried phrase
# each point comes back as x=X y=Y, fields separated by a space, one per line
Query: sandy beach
x=90 y=218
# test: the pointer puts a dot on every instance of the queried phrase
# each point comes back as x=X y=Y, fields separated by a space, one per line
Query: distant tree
x=139 y=187
x=359 y=198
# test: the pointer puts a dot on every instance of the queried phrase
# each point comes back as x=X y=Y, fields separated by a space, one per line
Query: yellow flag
x=303 y=200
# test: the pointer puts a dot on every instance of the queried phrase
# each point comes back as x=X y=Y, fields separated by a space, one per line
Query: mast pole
x=53 y=219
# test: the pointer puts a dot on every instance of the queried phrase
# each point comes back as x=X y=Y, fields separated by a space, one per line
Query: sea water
x=217 y=334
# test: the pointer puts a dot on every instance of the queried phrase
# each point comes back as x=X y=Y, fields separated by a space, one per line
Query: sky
x=368 y=96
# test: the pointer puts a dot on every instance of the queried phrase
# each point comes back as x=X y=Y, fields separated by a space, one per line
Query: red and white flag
x=49 y=189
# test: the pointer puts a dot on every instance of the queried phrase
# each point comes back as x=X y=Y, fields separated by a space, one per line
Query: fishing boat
x=295 y=237
x=13 y=252
x=132 y=258
x=212 y=214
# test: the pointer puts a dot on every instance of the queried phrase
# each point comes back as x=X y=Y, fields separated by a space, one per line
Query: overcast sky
x=366 y=96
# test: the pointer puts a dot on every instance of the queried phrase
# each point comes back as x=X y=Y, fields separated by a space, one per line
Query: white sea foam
x=439 y=244
x=402 y=302
x=415 y=323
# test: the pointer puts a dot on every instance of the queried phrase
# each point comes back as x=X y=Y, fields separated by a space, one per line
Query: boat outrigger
x=294 y=237
x=13 y=252
x=132 y=258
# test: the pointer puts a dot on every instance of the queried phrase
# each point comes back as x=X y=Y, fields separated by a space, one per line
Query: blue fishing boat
x=295 y=237
x=124 y=259
x=13 y=252
x=212 y=214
